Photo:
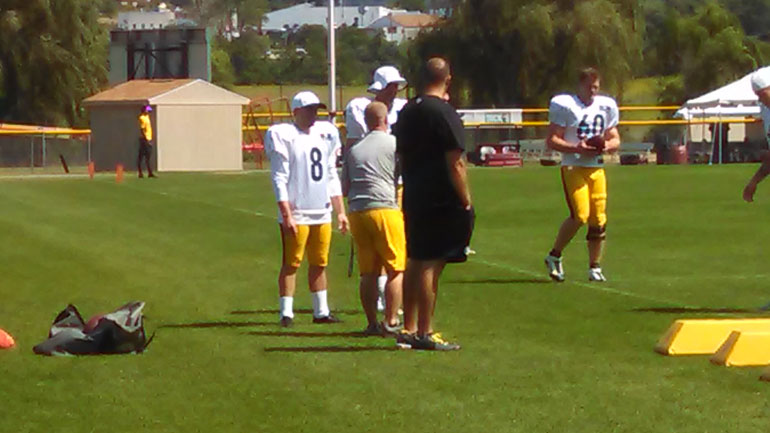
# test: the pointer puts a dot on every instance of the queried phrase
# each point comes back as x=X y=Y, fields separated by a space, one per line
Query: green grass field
x=203 y=251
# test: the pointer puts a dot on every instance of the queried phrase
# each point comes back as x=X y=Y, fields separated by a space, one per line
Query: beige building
x=196 y=125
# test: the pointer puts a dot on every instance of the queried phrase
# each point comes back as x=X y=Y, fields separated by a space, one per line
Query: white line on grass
x=601 y=287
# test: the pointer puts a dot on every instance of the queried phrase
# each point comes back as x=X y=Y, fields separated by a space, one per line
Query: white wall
x=199 y=138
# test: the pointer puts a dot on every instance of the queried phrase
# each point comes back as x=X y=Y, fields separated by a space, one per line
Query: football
x=597 y=142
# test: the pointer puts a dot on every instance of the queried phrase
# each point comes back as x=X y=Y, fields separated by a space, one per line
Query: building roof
x=414 y=20
x=308 y=14
x=407 y=20
x=186 y=91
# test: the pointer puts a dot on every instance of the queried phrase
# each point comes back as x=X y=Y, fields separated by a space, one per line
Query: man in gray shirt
x=369 y=178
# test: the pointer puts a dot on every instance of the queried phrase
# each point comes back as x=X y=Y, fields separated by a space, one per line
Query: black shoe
x=287 y=322
x=141 y=175
x=151 y=175
x=434 y=342
x=326 y=319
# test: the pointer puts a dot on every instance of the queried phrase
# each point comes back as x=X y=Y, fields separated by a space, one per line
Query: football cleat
x=374 y=329
x=326 y=319
x=390 y=330
x=434 y=342
x=287 y=322
x=405 y=339
x=595 y=274
x=555 y=270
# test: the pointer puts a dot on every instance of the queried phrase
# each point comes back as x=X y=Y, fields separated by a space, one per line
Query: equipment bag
x=121 y=331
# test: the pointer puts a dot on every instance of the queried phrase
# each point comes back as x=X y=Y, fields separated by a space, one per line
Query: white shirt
x=354 y=116
x=583 y=122
x=303 y=169
x=765 y=112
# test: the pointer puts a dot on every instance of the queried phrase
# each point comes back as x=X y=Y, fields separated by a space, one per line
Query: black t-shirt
x=427 y=128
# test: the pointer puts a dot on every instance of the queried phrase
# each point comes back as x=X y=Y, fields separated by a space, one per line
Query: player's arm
x=334 y=188
x=279 y=175
x=611 y=139
x=762 y=172
x=555 y=141
x=458 y=175
x=345 y=177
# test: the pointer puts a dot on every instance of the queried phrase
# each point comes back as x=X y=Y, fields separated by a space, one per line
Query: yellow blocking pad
x=743 y=349
x=704 y=336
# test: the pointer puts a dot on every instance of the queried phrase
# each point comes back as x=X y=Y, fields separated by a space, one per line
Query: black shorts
x=145 y=148
x=442 y=234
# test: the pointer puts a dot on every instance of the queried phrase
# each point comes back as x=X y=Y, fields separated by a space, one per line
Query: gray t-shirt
x=370 y=167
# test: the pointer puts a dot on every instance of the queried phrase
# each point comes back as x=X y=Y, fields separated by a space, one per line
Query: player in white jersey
x=583 y=127
x=386 y=84
x=307 y=189
x=760 y=83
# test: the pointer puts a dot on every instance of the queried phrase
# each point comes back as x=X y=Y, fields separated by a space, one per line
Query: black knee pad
x=596 y=233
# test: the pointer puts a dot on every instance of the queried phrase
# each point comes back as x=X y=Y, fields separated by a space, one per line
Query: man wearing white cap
x=760 y=83
x=307 y=188
x=386 y=83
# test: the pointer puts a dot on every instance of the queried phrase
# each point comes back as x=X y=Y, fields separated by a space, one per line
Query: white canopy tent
x=731 y=102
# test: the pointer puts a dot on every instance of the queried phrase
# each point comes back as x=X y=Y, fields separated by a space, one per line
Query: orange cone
x=6 y=341
x=91 y=169
x=119 y=173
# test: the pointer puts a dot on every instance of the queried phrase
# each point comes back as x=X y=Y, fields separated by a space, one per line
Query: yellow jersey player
x=145 y=142
x=307 y=189
x=583 y=127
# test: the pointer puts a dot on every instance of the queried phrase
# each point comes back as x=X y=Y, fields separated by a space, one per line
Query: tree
x=52 y=55
x=517 y=52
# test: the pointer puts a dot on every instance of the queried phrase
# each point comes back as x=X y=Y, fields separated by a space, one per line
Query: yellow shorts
x=379 y=236
x=586 y=192
x=316 y=239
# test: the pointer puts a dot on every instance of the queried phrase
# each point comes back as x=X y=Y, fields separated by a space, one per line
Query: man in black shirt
x=437 y=203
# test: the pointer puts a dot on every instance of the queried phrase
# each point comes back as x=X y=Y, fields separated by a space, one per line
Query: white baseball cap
x=385 y=75
x=306 y=99
x=760 y=79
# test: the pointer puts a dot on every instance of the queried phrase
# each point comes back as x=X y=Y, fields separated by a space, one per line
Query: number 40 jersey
x=303 y=169
x=582 y=122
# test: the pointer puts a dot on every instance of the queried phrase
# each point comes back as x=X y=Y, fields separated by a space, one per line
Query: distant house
x=403 y=26
x=306 y=14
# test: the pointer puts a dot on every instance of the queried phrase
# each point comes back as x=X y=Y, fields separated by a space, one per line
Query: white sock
x=320 y=306
x=287 y=306
x=381 y=281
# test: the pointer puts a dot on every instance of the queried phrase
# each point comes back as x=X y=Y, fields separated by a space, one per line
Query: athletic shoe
x=287 y=322
x=555 y=271
x=405 y=339
x=391 y=330
x=374 y=329
x=326 y=319
x=434 y=342
x=595 y=274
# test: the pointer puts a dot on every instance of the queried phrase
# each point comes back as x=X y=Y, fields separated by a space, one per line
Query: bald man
x=369 y=179
x=437 y=203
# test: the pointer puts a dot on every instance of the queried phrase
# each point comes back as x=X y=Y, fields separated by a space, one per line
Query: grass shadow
x=353 y=334
x=217 y=325
x=500 y=281
x=331 y=349
x=301 y=311
x=698 y=310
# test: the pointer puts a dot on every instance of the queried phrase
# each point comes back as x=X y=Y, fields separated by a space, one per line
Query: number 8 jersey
x=303 y=169
x=582 y=122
